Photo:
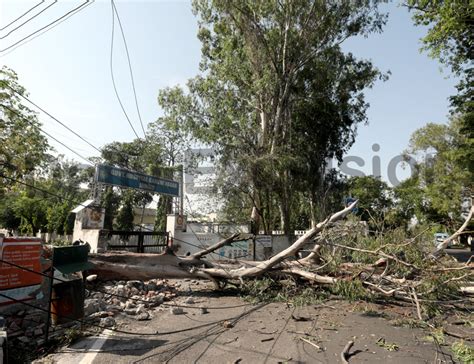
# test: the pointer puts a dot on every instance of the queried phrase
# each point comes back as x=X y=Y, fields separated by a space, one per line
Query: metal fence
x=135 y=241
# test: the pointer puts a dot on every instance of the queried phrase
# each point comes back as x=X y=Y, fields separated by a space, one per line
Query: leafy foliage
x=350 y=290
x=442 y=175
x=374 y=198
x=449 y=39
x=270 y=290
x=22 y=147
x=125 y=216
x=276 y=97
x=463 y=352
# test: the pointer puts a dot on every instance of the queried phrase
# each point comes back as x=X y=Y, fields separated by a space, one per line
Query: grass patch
x=436 y=335
x=387 y=346
x=463 y=352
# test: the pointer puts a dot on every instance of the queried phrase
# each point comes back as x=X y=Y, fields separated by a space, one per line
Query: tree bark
x=167 y=265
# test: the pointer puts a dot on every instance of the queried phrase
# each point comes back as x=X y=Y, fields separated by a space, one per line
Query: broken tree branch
x=345 y=352
x=417 y=303
x=310 y=343
x=216 y=246
x=445 y=243
x=266 y=265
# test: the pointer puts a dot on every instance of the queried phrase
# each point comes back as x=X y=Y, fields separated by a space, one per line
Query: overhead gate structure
x=135 y=241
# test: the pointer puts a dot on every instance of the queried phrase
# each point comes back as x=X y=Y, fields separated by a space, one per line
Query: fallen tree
x=168 y=265
x=339 y=258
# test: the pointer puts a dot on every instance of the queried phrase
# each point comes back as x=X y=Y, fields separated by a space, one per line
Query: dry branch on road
x=338 y=258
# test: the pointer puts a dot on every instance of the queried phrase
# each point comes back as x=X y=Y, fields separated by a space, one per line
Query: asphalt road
x=271 y=333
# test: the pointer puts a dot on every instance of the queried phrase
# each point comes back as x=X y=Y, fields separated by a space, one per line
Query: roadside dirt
x=234 y=331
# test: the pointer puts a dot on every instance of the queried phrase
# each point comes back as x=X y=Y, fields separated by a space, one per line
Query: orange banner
x=25 y=252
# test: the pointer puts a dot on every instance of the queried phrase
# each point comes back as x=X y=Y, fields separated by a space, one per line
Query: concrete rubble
x=102 y=306
x=135 y=299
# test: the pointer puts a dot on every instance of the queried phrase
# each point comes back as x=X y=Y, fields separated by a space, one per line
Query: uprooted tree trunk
x=388 y=274
x=168 y=265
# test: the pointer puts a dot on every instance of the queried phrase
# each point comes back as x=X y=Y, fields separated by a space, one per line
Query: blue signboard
x=124 y=178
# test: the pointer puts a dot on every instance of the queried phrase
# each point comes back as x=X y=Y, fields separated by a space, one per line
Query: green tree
x=442 y=171
x=166 y=132
x=138 y=155
x=22 y=147
x=125 y=216
x=8 y=219
x=375 y=199
x=259 y=64
x=45 y=201
x=450 y=39
x=64 y=179
x=111 y=203
x=31 y=207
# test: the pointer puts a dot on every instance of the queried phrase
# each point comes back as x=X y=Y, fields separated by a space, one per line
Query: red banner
x=15 y=282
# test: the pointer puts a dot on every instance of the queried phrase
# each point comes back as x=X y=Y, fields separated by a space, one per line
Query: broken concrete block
x=176 y=311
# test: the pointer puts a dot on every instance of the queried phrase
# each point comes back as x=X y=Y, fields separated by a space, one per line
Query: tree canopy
x=276 y=95
x=23 y=148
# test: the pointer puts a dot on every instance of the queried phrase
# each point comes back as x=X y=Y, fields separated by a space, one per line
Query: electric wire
x=40 y=33
x=112 y=72
x=30 y=19
x=22 y=15
x=47 y=134
x=51 y=116
x=156 y=333
x=75 y=10
x=5 y=84
x=129 y=68
x=66 y=199
x=80 y=204
x=117 y=295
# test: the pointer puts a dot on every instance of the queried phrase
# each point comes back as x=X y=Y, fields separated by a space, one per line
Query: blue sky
x=66 y=71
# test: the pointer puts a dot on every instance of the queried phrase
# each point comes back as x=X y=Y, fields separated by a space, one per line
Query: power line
x=156 y=333
x=112 y=71
x=42 y=190
x=76 y=202
x=129 y=67
x=22 y=15
x=5 y=83
x=30 y=19
x=40 y=33
x=71 y=200
x=78 y=8
x=117 y=295
x=51 y=116
x=47 y=134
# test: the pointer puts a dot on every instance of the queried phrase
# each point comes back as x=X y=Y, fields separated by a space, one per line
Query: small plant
x=387 y=346
x=71 y=335
x=436 y=335
x=61 y=242
x=463 y=352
